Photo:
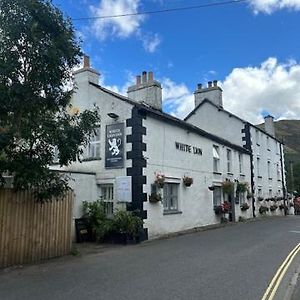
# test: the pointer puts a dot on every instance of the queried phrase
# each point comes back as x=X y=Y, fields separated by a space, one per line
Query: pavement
x=232 y=262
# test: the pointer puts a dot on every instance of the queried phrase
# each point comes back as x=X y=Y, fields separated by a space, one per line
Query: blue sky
x=252 y=48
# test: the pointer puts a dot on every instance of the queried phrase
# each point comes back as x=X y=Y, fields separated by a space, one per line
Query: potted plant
x=226 y=207
x=245 y=206
x=160 y=180
x=267 y=199
x=99 y=225
x=260 y=198
x=188 y=181
x=218 y=209
x=126 y=227
x=281 y=206
x=155 y=197
x=227 y=187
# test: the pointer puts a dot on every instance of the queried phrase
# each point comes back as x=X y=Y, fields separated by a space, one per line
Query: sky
x=252 y=48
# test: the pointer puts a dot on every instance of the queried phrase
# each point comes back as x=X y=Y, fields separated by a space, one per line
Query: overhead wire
x=223 y=3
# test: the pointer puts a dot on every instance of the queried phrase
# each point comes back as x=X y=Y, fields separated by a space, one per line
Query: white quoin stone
x=269 y=125
x=146 y=90
x=212 y=92
x=86 y=74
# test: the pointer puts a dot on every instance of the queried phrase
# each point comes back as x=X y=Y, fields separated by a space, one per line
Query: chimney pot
x=215 y=82
x=144 y=77
x=86 y=61
x=199 y=86
x=150 y=76
x=210 y=84
x=138 y=80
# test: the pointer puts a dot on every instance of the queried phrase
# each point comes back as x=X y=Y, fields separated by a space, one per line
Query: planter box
x=123 y=239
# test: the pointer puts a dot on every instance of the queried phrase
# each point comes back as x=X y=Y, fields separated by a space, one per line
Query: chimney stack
x=212 y=92
x=86 y=61
x=86 y=73
x=269 y=125
x=146 y=90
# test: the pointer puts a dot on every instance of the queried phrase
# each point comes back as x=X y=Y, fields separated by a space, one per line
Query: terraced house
x=178 y=174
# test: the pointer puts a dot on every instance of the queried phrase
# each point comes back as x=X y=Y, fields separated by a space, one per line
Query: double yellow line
x=274 y=284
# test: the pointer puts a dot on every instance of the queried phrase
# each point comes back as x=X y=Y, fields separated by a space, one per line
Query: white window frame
x=241 y=163
x=171 y=197
x=269 y=169
x=217 y=195
x=107 y=196
x=229 y=160
x=258 y=166
x=93 y=148
x=216 y=159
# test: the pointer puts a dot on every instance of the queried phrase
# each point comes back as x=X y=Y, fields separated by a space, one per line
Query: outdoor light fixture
x=113 y=115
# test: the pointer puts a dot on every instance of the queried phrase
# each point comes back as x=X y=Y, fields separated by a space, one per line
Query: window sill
x=172 y=212
x=259 y=176
x=229 y=173
x=242 y=175
x=91 y=159
x=269 y=149
x=270 y=178
x=217 y=173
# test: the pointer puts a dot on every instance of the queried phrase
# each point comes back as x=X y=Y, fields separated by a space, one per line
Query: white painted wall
x=195 y=202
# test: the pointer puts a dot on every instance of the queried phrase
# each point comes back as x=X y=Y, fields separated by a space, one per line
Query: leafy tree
x=38 y=50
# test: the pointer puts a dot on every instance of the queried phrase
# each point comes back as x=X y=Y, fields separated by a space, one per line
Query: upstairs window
x=258 y=166
x=93 y=149
x=241 y=167
x=229 y=161
x=216 y=159
x=257 y=136
x=269 y=170
x=268 y=143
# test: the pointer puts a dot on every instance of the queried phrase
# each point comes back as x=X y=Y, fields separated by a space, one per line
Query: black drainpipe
x=248 y=146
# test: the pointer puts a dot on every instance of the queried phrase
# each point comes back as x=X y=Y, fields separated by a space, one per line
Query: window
x=107 y=196
x=241 y=163
x=269 y=170
x=278 y=172
x=258 y=166
x=217 y=195
x=257 y=137
x=171 y=196
x=229 y=161
x=270 y=193
x=216 y=159
x=268 y=143
x=259 y=192
x=93 y=150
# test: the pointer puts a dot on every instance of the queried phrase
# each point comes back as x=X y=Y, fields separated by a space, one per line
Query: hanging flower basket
x=245 y=206
x=260 y=199
x=273 y=207
x=263 y=209
x=154 y=198
x=160 y=180
x=241 y=187
x=222 y=208
x=211 y=188
x=249 y=195
x=188 y=181
x=227 y=187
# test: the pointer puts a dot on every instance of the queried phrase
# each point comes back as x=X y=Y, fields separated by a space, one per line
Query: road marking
x=274 y=284
x=294 y=231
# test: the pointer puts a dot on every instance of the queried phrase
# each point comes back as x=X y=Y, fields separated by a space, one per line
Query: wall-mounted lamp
x=113 y=115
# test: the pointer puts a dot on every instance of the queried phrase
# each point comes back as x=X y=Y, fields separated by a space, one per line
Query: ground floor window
x=217 y=194
x=170 y=197
x=107 y=196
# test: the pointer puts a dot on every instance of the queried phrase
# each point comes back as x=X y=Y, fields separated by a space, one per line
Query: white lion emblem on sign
x=114 y=146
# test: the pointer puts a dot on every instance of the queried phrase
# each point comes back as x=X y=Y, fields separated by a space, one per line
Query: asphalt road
x=235 y=262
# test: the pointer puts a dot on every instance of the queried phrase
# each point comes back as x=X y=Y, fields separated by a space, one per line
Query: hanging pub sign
x=114 y=146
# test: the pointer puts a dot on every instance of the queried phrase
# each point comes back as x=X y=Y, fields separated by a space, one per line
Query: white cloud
x=122 y=27
x=272 y=87
x=177 y=99
x=269 y=6
x=151 y=42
